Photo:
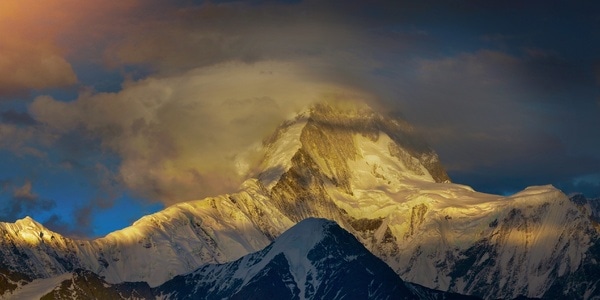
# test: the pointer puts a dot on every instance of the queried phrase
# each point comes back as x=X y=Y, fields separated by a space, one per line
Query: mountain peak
x=295 y=245
x=332 y=136
x=27 y=220
x=315 y=259
x=27 y=231
x=29 y=224
x=303 y=236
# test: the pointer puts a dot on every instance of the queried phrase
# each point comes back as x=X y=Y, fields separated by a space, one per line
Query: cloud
x=41 y=39
x=188 y=129
x=4 y=184
x=57 y=224
x=24 y=193
x=470 y=106
x=213 y=33
x=222 y=76
x=191 y=135
x=173 y=37
x=29 y=58
x=32 y=67
x=496 y=125
x=24 y=201
x=19 y=140
x=166 y=36
x=588 y=185
x=17 y=118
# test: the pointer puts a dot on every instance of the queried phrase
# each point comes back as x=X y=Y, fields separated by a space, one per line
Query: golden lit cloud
x=31 y=64
x=180 y=134
x=191 y=135
x=38 y=36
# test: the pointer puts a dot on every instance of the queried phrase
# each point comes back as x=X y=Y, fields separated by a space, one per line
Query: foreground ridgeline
x=370 y=174
x=315 y=259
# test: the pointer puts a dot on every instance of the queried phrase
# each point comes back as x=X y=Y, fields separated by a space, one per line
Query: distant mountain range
x=370 y=174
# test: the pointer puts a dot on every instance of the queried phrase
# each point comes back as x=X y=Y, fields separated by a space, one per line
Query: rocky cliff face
x=378 y=180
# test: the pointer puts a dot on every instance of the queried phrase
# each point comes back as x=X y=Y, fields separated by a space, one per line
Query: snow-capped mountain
x=315 y=259
x=591 y=206
x=374 y=177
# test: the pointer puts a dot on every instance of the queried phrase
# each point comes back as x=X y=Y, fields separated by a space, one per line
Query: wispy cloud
x=24 y=201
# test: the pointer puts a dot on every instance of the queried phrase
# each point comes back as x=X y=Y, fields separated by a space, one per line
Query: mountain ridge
x=315 y=259
x=376 y=179
x=308 y=255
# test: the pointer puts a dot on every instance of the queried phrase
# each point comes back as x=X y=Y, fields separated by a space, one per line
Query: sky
x=114 y=109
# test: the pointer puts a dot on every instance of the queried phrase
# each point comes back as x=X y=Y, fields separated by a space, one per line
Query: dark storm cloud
x=552 y=74
x=209 y=34
x=502 y=122
x=526 y=112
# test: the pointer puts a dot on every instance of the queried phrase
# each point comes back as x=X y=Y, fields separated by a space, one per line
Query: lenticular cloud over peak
x=191 y=135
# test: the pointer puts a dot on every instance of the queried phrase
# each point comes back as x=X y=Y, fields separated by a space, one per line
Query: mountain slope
x=83 y=284
x=374 y=177
x=184 y=236
x=315 y=259
x=591 y=206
